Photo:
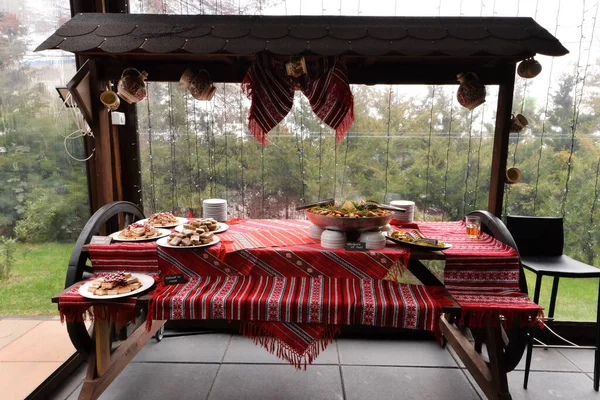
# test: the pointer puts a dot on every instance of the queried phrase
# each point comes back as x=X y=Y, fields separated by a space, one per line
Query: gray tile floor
x=224 y=366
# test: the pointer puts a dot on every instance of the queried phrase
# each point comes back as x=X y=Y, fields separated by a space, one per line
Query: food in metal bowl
x=349 y=209
x=351 y=216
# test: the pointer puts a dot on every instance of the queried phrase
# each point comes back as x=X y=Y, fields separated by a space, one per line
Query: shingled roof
x=237 y=35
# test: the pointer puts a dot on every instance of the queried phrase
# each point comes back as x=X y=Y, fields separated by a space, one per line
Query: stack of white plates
x=333 y=239
x=215 y=208
x=373 y=240
x=315 y=231
x=407 y=216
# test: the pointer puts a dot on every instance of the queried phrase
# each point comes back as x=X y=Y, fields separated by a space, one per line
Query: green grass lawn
x=576 y=301
x=38 y=273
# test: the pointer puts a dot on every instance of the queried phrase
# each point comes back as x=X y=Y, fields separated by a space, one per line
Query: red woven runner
x=483 y=276
x=131 y=257
x=272 y=93
x=74 y=307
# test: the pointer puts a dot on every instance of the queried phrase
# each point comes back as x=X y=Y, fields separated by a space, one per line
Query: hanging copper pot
x=471 y=92
x=529 y=68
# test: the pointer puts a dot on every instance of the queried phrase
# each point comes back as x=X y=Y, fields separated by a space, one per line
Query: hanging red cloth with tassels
x=272 y=94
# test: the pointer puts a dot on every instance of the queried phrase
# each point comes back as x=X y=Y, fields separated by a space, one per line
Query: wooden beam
x=103 y=188
x=427 y=72
x=94 y=385
x=492 y=381
x=501 y=136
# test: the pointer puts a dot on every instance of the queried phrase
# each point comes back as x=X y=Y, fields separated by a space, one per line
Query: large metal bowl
x=348 y=224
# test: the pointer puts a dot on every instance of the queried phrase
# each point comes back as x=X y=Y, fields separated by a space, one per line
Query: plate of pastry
x=116 y=285
x=205 y=224
x=188 y=239
x=139 y=232
x=163 y=220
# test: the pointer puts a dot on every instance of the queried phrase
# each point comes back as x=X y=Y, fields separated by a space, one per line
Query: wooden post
x=501 y=135
x=116 y=157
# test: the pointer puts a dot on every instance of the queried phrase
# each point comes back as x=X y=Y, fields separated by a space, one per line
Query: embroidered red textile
x=133 y=257
x=272 y=94
x=482 y=276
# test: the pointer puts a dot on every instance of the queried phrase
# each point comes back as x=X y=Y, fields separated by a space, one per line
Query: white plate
x=164 y=242
x=146 y=280
x=180 y=220
x=163 y=233
x=222 y=228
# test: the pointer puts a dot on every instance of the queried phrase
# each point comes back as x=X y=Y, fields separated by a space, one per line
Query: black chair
x=540 y=243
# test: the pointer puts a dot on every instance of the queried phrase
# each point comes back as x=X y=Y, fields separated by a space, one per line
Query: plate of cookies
x=188 y=239
x=139 y=232
x=115 y=285
x=163 y=220
x=207 y=224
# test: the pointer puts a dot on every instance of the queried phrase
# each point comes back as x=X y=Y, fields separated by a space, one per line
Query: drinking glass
x=473 y=226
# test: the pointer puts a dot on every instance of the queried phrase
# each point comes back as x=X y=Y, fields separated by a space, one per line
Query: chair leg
x=597 y=351
x=553 y=297
x=536 y=299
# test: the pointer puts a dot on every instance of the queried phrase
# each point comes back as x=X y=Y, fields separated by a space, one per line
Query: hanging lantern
x=471 y=92
x=518 y=123
x=529 y=68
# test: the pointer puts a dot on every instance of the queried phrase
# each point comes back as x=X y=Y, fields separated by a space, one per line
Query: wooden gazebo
x=377 y=50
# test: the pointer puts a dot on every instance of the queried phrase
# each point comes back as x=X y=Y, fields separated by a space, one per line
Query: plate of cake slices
x=163 y=220
x=139 y=232
x=116 y=285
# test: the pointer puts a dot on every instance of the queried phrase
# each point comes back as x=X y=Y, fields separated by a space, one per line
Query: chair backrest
x=537 y=236
x=494 y=227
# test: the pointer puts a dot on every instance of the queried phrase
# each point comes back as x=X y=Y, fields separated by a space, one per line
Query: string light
x=189 y=145
x=479 y=157
x=226 y=144
x=174 y=202
x=243 y=187
x=539 y=158
x=577 y=104
x=429 y=147
x=152 y=190
x=468 y=162
x=387 y=153
x=448 y=154
x=196 y=148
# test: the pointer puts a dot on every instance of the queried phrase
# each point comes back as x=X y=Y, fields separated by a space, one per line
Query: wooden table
x=105 y=363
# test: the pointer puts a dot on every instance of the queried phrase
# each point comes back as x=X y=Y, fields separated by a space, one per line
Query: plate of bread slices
x=116 y=285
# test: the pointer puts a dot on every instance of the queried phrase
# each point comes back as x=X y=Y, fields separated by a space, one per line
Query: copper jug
x=471 y=92
x=132 y=85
